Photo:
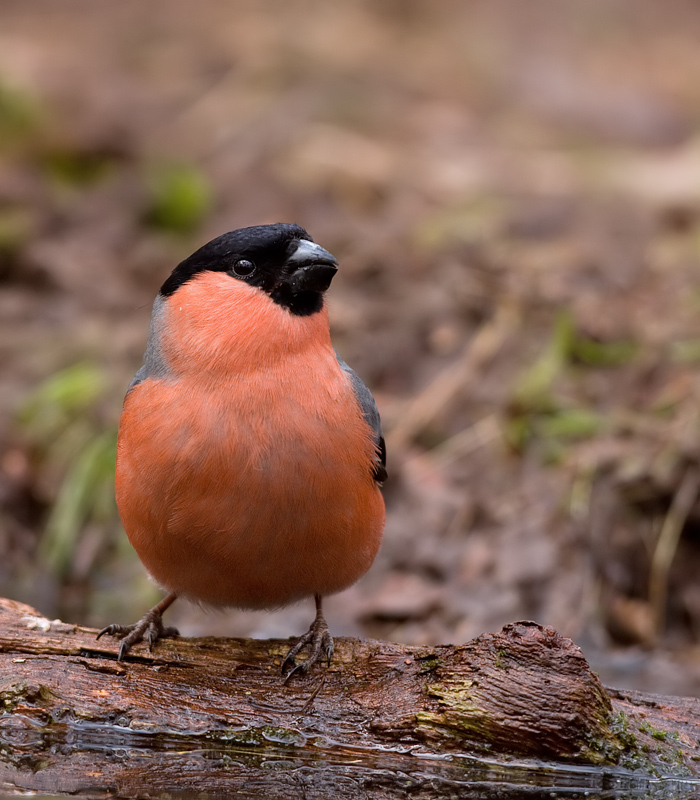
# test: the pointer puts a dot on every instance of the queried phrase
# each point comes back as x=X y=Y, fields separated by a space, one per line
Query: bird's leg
x=150 y=627
x=318 y=638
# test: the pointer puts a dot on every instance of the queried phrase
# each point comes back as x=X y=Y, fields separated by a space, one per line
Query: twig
x=466 y=441
x=426 y=406
x=314 y=695
x=667 y=544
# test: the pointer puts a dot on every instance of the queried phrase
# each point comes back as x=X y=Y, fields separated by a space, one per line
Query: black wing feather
x=371 y=415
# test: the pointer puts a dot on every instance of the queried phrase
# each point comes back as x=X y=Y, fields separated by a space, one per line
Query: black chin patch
x=301 y=304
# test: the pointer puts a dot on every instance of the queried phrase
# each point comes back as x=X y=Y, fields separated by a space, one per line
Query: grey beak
x=310 y=253
x=314 y=268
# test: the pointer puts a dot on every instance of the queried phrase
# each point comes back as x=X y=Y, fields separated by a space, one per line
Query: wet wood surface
x=213 y=716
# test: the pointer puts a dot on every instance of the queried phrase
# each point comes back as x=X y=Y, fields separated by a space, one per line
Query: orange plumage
x=245 y=479
x=247 y=456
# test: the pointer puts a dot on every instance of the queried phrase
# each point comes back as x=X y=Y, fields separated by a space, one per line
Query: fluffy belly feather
x=246 y=505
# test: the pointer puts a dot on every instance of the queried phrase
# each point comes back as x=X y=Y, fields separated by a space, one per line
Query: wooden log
x=213 y=715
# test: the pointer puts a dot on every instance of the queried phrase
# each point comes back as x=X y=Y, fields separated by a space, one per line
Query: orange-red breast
x=249 y=454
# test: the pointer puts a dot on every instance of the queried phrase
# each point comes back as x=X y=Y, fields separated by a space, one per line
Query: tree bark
x=213 y=716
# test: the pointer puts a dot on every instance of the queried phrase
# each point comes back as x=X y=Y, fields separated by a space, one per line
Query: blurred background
x=513 y=192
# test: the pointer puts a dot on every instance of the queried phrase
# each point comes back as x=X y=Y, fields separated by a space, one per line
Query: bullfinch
x=249 y=455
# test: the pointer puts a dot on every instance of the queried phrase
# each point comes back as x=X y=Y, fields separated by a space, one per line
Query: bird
x=250 y=456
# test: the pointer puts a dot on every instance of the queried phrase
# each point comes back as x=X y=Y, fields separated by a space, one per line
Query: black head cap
x=280 y=259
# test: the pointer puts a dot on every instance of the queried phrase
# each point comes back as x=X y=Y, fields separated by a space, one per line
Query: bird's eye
x=243 y=268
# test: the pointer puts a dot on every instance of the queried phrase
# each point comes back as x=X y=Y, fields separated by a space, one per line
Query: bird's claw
x=319 y=639
x=150 y=627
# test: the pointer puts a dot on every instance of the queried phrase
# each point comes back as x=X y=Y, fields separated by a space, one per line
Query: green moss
x=647 y=756
x=283 y=736
x=603 y=738
x=248 y=737
x=458 y=696
x=429 y=663
x=13 y=694
x=608 y=739
x=260 y=736
x=620 y=726
x=601 y=749
x=462 y=718
x=635 y=761
x=655 y=733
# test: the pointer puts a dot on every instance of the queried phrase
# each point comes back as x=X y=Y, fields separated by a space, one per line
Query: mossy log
x=213 y=715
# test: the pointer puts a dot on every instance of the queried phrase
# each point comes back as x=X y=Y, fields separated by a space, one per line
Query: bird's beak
x=312 y=268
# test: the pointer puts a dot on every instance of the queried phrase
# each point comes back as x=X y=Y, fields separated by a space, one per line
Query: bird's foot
x=320 y=643
x=150 y=627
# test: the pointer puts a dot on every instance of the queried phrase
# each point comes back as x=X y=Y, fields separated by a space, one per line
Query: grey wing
x=154 y=364
x=140 y=377
x=371 y=415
